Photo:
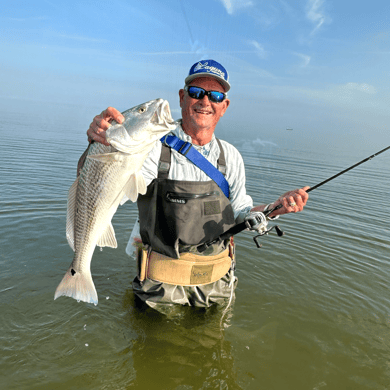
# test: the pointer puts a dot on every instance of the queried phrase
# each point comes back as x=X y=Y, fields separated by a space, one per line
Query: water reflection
x=183 y=349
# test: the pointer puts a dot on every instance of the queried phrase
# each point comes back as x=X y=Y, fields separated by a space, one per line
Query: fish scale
x=109 y=173
x=92 y=194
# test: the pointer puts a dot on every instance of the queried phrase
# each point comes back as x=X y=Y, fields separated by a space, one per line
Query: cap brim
x=223 y=82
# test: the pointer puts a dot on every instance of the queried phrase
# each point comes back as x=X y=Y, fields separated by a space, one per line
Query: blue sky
x=320 y=67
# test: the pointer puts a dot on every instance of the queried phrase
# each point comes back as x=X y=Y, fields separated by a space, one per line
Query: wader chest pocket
x=175 y=197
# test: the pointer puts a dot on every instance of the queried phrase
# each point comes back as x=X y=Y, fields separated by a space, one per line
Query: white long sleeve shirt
x=183 y=169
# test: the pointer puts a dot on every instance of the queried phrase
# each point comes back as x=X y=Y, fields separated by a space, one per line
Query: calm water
x=312 y=308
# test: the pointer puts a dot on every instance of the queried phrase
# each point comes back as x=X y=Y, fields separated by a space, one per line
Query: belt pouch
x=142 y=262
x=189 y=270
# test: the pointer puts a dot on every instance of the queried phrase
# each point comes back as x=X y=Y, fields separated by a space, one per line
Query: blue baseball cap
x=209 y=68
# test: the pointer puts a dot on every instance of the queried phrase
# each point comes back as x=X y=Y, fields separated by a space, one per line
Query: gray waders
x=175 y=218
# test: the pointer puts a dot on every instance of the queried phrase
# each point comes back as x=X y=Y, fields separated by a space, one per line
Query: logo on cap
x=209 y=69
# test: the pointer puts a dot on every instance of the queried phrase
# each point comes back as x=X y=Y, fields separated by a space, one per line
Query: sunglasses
x=199 y=93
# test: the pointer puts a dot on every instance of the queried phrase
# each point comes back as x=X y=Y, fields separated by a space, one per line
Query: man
x=183 y=208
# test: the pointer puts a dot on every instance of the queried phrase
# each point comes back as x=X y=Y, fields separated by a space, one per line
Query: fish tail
x=77 y=285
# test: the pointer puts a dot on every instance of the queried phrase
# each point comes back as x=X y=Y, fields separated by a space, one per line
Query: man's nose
x=205 y=99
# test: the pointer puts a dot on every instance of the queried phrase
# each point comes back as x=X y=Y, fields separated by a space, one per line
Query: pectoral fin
x=136 y=185
x=141 y=185
x=108 y=238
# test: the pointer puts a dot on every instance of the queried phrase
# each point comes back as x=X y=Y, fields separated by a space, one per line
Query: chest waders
x=175 y=218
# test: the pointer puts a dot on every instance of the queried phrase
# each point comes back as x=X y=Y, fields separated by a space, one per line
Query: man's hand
x=292 y=201
x=97 y=129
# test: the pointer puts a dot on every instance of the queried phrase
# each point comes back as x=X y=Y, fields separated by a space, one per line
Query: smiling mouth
x=204 y=112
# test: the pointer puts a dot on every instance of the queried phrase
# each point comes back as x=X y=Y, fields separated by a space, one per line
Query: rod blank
x=346 y=170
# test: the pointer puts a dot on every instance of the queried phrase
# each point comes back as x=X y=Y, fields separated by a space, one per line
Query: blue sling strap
x=186 y=149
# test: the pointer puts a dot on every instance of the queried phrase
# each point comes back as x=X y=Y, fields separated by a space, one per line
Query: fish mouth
x=163 y=116
x=158 y=123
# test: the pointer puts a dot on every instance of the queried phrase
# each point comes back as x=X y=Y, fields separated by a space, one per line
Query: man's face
x=202 y=114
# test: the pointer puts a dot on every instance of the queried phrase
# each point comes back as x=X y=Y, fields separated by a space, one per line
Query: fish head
x=143 y=125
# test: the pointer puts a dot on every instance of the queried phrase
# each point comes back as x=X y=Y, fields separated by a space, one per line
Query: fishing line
x=186 y=19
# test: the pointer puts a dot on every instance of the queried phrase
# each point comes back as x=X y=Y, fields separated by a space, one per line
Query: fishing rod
x=279 y=232
x=348 y=169
x=258 y=221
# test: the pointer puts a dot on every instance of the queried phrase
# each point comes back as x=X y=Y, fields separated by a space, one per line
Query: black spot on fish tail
x=73 y=271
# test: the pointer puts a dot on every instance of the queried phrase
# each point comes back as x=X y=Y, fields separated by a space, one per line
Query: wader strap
x=189 y=270
x=165 y=162
x=186 y=149
x=221 y=162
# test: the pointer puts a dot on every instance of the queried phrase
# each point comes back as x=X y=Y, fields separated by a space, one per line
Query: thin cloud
x=232 y=6
x=316 y=14
x=199 y=49
x=351 y=95
x=161 y=53
x=288 y=10
x=253 y=145
x=305 y=59
x=82 y=38
x=186 y=52
x=196 y=48
x=363 y=87
x=267 y=15
x=259 y=49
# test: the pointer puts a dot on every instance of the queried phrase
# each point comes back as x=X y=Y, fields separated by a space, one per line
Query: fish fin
x=77 y=285
x=70 y=213
x=135 y=185
x=108 y=238
x=107 y=157
x=123 y=200
x=141 y=185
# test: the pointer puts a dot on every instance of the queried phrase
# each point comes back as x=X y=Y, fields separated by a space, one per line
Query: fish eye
x=141 y=110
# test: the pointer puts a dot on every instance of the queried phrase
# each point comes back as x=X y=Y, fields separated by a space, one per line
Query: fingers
x=293 y=201
x=301 y=196
x=97 y=130
x=99 y=125
x=112 y=113
x=97 y=137
x=297 y=200
x=293 y=204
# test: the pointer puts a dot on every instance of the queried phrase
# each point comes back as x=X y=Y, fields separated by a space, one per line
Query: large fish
x=110 y=174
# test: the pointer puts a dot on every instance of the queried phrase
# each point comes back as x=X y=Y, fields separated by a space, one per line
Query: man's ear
x=181 y=95
x=227 y=103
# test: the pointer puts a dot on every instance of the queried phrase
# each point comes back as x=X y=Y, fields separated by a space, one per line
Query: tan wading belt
x=189 y=270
